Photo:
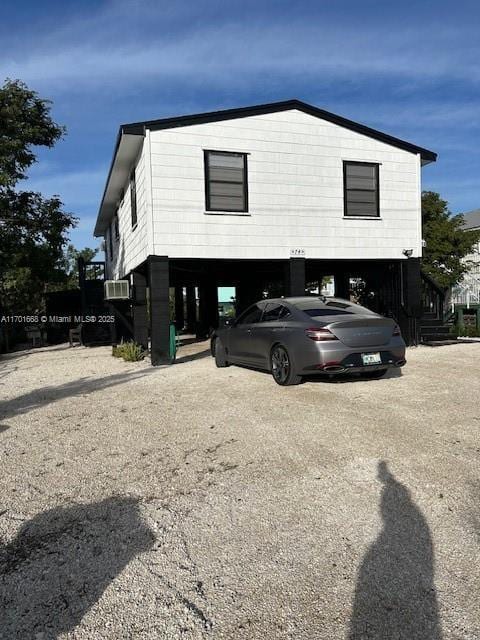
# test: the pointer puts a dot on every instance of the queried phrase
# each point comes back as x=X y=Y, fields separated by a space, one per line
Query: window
x=275 y=312
x=110 y=241
x=316 y=313
x=115 y=224
x=226 y=181
x=332 y=308
x=133 y=198
x=360 y=189
x=252 y=314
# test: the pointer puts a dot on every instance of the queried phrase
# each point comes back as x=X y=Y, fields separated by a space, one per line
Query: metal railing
x=467 y=291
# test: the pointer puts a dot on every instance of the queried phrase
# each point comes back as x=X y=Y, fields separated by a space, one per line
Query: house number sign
x=297 y=253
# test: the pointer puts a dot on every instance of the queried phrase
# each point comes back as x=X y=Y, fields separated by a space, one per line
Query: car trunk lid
x=363 y=331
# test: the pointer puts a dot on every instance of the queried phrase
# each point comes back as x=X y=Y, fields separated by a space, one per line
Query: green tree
x=447 y=243
x=33 y=229
x=71 y=257
x=25 y=122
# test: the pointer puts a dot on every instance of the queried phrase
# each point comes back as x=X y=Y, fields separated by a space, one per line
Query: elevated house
x=467 y=292
x=269 y=198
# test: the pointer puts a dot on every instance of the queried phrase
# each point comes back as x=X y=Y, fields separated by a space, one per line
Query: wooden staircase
x=436 y=320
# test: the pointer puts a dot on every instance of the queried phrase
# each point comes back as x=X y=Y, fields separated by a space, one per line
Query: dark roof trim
x=119 y=144
x=273 y=107
x=112 y=163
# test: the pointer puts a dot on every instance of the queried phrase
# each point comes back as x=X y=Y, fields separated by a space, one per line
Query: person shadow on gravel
x=395 y=597
x=61 y=562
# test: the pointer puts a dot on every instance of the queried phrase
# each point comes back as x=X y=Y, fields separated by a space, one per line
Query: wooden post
x=139 y=309
x=191 y=309
x=247 y=293
x=208 y=308
x=342 y=285
x=179 y=313
x=460 y=317
x=159 y=280
x=81 y=284
x=113 y=326
x=295 y=277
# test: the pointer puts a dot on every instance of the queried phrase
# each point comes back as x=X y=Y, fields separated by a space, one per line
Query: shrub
x=472 y=332
x=469 y=331
x=457 y=330
x=133 y=352
x=117 y=351
x=129 y=351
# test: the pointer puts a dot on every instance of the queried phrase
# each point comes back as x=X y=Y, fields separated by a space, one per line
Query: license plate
x=371 y=358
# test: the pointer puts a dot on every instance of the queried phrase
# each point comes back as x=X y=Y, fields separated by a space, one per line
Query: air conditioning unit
x=117 y=289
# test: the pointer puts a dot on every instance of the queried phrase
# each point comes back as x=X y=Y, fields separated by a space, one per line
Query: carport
x=392 y=288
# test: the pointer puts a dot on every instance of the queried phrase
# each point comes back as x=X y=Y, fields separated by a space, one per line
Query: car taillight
x=396 y=331
x=320 y=333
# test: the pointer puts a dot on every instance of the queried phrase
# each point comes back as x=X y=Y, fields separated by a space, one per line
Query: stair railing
x=435 y=299
x=468 y=290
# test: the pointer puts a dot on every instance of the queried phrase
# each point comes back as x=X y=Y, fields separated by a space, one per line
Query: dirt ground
x=195 y=502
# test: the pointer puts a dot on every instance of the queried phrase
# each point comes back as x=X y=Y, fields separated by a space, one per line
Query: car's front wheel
x=282 y=368
x=220 y=354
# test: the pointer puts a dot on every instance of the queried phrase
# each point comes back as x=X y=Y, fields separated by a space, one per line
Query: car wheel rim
x=280 y=365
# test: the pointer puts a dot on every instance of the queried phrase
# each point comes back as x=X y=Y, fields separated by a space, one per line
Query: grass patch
x=129 y=351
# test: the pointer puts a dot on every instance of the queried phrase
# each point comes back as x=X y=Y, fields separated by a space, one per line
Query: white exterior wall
x=295 y=188
x=132 y=247
x=295 y=192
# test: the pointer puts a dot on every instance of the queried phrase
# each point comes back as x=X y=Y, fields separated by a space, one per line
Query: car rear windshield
x=315 y=312
x=331 y=308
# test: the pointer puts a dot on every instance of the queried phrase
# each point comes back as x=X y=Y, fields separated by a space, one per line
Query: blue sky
x=411 y=69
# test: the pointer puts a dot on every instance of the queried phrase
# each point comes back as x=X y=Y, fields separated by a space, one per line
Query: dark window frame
x=377 y=189
x=116 y=227
x=110 y=238
x=133 y=199
x=206 y=166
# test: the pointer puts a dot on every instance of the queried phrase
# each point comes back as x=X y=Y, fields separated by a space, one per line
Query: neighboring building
x=468 y=290
x=269 y=197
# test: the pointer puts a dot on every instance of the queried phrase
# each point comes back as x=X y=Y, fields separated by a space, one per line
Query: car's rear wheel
x=220 y=354
x=374 y=375
x=282 y=368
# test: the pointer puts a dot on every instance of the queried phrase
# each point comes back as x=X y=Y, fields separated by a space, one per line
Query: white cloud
x=435 y=115
x=76 y=189
x=216 y=55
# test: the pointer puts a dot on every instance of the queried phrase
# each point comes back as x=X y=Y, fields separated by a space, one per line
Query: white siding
x=132 y=247
x=295 y=185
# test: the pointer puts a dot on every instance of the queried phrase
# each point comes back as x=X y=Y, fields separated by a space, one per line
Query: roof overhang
x=129 y=144
x=472 y=220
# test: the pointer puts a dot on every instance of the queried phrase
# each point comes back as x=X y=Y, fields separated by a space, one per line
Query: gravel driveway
x=195 y=502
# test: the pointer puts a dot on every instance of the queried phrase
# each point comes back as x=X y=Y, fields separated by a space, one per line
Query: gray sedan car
x=296 y=337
